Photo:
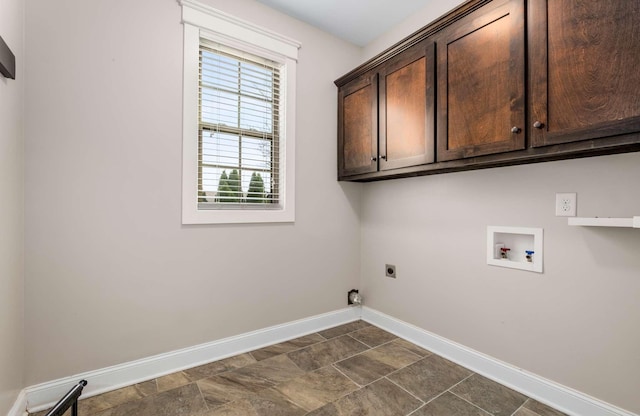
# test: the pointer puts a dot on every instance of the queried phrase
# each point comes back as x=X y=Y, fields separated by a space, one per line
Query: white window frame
x=200 y=20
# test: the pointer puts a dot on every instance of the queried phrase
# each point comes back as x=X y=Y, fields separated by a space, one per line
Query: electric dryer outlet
x=390 y=270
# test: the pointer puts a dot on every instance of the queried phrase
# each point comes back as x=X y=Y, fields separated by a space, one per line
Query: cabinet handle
x=538 y=125
x=373 y=158
x=383 y=157
x=515 y=129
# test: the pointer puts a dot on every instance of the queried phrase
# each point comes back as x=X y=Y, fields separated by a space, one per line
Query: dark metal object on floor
x=70 y=400
x=7 y=61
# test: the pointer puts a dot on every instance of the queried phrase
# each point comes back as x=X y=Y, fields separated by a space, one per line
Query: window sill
x=239 y=216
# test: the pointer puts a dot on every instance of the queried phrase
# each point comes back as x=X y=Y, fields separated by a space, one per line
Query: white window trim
x=200 y=20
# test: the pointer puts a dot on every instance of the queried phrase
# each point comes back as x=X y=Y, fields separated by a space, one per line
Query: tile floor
x=352 y=369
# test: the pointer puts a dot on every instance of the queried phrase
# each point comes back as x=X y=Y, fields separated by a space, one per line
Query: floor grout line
x=440 y=394
x=521 y=407
x=415 y=411
x=408 y=365
x=471 y=403
x=349 y=378
x=407 y=391
x=202 y=396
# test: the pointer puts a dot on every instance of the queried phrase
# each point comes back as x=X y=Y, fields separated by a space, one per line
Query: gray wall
x=111 y=274
x=576 y=324
x=11 y=209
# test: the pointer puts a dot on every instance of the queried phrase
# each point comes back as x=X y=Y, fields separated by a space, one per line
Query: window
x=238 y=129
x=238 y=120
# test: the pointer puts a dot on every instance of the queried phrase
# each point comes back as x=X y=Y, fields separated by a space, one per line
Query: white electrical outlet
x=566 y=204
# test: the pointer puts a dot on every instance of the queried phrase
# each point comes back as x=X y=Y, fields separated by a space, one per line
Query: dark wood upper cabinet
x=386 y=116
x=584 y=64
x=358 y=126
x=407 y=108
x=481 y=82
x=495 y=83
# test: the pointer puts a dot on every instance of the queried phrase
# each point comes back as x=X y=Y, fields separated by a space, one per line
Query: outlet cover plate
x=566 y=204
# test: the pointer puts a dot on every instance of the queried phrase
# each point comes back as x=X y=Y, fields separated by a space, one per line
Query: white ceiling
x=357 y=21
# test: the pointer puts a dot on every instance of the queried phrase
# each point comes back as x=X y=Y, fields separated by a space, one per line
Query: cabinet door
x=481 y=76
x=358 y=126
x=584 y=69
x=407 y=108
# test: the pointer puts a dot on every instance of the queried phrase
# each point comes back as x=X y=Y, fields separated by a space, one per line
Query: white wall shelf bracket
x=633 y=222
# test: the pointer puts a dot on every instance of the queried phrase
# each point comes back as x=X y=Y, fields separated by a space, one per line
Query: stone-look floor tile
x=237 y=408
x=182 y=401
x=306 y=340
x=376 y=363
x=287 y=346
x=248 y=381
x=343 y=329
x=325 y=353
x=327 y=410
x=373 y=336
x=172 y=381
x=412 y=347
x=449 y=404
x=381 y=398
x=541 y=409
x=429 y=377
x=228 y=387
x=217 y=367
x=265 y=403
x=147 y=388
x=317 y=388
x=525 y=412
x=277 y=369
x=273 y=403
x=489 y=395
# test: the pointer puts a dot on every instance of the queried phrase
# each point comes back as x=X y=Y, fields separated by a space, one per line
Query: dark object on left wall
x=7 y=61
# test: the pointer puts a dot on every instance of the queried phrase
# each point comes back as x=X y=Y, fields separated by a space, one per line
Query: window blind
x=239 y=126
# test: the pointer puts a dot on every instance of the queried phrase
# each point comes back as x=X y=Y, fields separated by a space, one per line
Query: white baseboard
x=545 y=391
x=19 y=406
x=45 y=395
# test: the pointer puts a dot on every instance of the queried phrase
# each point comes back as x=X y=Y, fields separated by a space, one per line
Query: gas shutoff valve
x=354 y=298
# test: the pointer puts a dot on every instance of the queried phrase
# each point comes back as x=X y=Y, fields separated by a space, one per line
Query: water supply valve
x=529 y=255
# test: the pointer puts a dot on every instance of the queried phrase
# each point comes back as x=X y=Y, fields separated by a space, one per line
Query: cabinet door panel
x=358 y=127
x=585 y=80
x=481 y=83
x=407 y=108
